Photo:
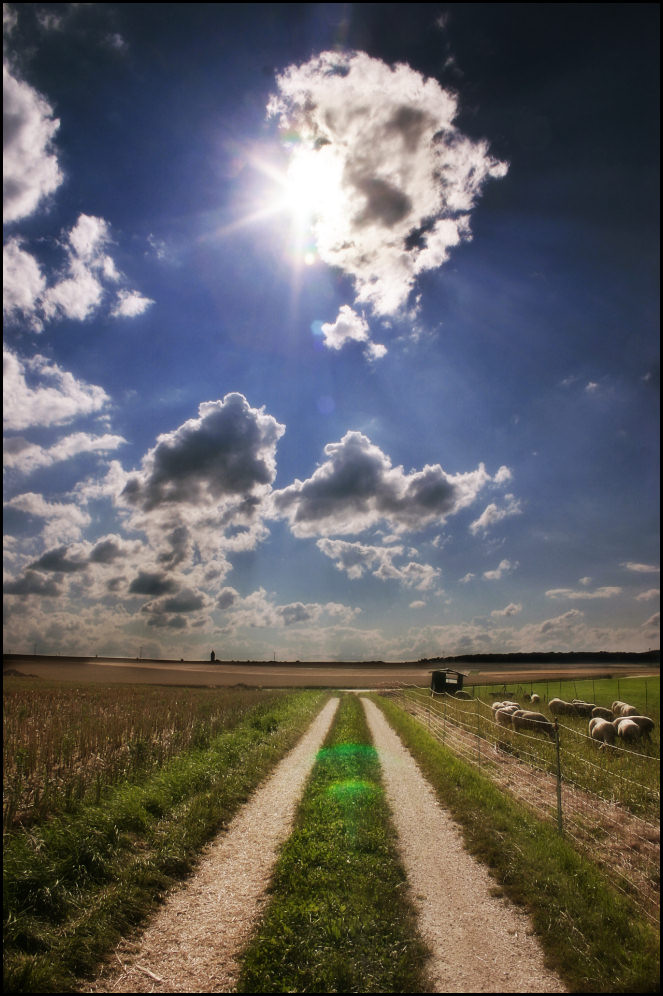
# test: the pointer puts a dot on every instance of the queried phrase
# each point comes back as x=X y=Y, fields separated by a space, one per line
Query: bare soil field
x=277 y=674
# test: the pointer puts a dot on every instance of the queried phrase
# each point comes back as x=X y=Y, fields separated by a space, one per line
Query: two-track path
x=193 y=943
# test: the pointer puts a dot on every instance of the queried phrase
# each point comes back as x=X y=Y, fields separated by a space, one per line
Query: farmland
x=111 y=792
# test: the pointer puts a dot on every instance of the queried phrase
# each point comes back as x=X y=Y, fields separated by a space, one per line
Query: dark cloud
x=295 y=613
x=154 y=584
x=226 y=598
x=227 y=452
x=56 y=561
x=185 y=600
x=357 y=487
x=105 y=552
x=33 y=584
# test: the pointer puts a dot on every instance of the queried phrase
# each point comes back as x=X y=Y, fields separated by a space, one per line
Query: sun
x=313 y=190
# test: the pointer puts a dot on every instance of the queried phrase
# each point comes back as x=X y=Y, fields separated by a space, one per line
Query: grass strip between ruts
x=339 y=917
x=76 y=884
x=591 y=934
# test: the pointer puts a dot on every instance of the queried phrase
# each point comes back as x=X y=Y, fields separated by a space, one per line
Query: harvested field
x=277 y=674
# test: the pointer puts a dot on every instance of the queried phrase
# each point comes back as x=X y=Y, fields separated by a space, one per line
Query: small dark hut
x=446 y=680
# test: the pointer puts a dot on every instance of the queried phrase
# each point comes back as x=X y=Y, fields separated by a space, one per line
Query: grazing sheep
x=559 y=707
x=600 y=712
x=623 y=709
x=501 y=705
x=627 y=729
x=645 y=724
x=535 y=698
x=503 y=716
x=583 y=708
x=524 y=719
x=603 y=730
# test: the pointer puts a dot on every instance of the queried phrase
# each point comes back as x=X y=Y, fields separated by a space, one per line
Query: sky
x=330 y=330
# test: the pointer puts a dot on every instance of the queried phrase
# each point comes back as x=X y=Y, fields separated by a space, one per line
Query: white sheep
x=524 y=719
x=503 y=716
x=559 y=707
x=623 y=709
x=600 y=712
x=583 y=708
x=602 y=730
x=627 y=729
x=645 y=724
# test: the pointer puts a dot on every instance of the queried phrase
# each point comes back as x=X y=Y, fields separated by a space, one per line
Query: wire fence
x=607 y=801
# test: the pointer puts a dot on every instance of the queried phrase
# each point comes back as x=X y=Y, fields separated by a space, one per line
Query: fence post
x=559 y=780
x=444 y=720
x=478 y=734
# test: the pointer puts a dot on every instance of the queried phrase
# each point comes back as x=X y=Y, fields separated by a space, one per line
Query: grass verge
x=591 y=934
x=339 y=919
x=74 y=885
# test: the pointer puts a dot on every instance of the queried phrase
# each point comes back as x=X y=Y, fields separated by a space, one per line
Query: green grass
x=339 y=918
x=77 y=882
x=593 y=936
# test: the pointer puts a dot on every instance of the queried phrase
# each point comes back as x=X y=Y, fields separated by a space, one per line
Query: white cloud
x=645 y=596
x=78 y=291
x=356 y=488
x=23 y=456
x=57 y=396
x=355 y=559
x=641 y=568
x=467 y=578
x=351 y=327
x=605 y=592
x=31 y=170
x=64 y=523
x=504 y=567
x=129 y=304
x=493 y=514
x=513 y=609
x=403 y=177
x=503 y=475
x=561 y=625
x=23 y=283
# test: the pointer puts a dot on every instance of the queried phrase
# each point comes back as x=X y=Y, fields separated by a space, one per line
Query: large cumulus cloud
x=408 y=178
x=356 y=488
x=228 y=452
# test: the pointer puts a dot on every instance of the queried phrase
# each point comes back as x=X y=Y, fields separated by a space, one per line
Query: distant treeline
x=646 y=657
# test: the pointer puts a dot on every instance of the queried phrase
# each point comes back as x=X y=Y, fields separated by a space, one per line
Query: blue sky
x=331 y=330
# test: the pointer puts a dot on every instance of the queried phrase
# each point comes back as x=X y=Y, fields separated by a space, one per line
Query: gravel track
x=480 y=943
x=192 y=942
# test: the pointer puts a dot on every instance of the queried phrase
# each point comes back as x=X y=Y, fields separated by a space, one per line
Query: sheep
x=601 y=729
x=623 y=709
x=559 y=707
x=524 y=719
x=600 y=712
x=501 y=705
x=503 y=716
x=535 y=698
x=583 y=708
x=627 y=729
x=645 y=724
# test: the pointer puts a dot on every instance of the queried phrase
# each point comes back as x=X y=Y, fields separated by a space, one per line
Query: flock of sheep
x=605 y=725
